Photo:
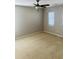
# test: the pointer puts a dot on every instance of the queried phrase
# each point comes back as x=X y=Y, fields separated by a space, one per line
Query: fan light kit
x=36 y=8
x=37 y=5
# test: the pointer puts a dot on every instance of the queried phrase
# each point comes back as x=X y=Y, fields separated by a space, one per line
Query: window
x=51 y=18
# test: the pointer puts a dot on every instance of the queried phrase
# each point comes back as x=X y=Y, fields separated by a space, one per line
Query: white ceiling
x=30 y=2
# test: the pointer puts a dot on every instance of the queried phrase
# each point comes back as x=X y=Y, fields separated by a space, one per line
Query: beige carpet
x=39 y=46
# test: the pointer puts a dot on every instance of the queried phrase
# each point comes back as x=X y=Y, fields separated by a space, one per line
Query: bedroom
x=39 y=30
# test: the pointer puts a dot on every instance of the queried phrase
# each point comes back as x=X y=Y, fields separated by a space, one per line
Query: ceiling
x=30 y=2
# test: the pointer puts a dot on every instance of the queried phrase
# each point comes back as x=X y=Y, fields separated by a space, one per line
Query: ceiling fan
x=38 y=5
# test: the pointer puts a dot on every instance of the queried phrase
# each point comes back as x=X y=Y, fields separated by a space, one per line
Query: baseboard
x=38 y=32
x=54 y=34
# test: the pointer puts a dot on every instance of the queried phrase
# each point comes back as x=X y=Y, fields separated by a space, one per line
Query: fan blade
x=44 y=5
x=34 y=4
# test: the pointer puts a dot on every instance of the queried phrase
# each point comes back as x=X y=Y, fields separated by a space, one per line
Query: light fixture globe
x=37 y=8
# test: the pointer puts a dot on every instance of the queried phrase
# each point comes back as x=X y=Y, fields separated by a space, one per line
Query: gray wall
x=27 y=20
x=58 y=24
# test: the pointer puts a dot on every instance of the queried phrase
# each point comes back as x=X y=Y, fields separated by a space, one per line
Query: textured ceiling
x=30 y=2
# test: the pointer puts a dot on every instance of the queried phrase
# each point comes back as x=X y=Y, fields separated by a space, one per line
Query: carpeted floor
x=39 y=46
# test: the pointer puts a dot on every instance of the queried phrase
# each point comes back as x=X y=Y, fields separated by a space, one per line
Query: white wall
x=27 y=20
x=58 y=24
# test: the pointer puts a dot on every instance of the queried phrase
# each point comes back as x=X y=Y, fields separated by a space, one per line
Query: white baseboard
x=38 y=32
x=54 y=34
